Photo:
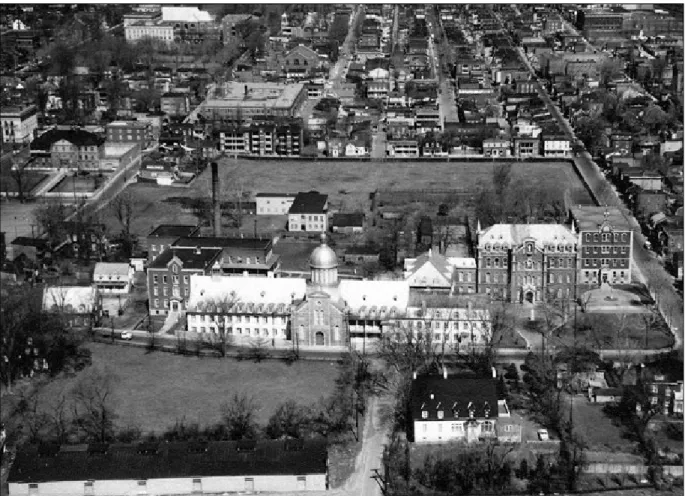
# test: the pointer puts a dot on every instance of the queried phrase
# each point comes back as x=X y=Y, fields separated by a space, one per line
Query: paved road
x=670 y=303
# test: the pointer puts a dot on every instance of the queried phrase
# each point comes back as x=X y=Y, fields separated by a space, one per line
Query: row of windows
x=623 y=237
x=486 y=426
x=254 y=319
x=613 y=262
x=446 y=324
x=175 y=279
x=175 y=292
x=243 y=331
x=606 y=249
x=530 y=246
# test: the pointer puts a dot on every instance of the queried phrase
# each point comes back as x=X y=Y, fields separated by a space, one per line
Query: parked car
x=543 y=435
x=126 y=335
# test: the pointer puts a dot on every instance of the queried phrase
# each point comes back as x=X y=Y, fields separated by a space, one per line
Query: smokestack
x=216 y=206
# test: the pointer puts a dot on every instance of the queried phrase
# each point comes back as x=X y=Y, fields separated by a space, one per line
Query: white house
x=113 y=278
x=274 y=203
x=309 y=212
x=466 y=409
x=356 y=148
x=156 y=469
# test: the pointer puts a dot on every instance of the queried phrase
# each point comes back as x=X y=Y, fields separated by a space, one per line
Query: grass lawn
x=599 y=431
x=31 y=181
x=614 y=331
x=347 y=183
x=153 y=391
x=70 y=184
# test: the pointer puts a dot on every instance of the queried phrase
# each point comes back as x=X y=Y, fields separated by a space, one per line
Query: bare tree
x=239 y=415
x=35 y=420
x=94 y=407
x=59 y=419
x=124 y=208
x=19 y=173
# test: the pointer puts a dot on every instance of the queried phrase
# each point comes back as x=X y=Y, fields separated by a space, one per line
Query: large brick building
x=604 y=246
x=527 y=262
x=68 y=149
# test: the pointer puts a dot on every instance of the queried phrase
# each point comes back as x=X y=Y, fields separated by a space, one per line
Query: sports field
x=345 y=182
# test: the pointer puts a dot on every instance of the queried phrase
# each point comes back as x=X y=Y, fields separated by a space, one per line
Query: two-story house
x=445 y=408
x=68 y=149
x=309 y=212
x=274 y=203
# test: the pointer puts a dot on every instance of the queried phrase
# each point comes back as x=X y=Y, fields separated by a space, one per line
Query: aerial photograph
x=336 y=249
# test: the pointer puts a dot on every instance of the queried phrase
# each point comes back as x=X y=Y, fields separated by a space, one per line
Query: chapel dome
x=323 y=257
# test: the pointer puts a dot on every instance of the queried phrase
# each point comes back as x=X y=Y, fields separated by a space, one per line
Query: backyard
x=153 y=391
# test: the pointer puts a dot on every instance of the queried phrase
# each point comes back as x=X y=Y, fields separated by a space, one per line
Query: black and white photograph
x=324 y=249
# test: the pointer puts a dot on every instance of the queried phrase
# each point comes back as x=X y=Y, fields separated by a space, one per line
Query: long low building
x=170 y=468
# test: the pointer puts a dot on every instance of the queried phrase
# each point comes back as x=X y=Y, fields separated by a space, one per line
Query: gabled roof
x=191 y=259
x=41 y=244
x=78 y=137
x=311 y=202
x=111 y=269
x=303 y=51
x=358 y=294
x=425 y=262
x=242 y=290
x=454 y=396
x=513 y=235
x=173 y=230
x=143 y=461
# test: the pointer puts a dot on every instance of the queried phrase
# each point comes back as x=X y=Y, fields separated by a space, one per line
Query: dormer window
x=424 y=414
x=174 y=269
x=441 y=414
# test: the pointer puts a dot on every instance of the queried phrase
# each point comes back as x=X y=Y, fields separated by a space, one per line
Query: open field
x=348 y=184
x=154 y=390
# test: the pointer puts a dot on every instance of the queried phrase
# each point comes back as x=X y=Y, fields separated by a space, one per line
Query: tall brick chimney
x=216 y=204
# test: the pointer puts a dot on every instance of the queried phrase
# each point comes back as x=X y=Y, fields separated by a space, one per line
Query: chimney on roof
x=444 y=372
x=198 y=250
x=216 y=205
x=494 y=373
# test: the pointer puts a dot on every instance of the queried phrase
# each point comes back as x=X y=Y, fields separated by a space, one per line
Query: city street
x=668 y=300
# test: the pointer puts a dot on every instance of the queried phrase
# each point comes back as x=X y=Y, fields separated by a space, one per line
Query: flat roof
x=179 y=230
x=235 y=94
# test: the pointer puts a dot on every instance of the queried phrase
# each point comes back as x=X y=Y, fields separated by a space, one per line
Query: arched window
x=497 y=263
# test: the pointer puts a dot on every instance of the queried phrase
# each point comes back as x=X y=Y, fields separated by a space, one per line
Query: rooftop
x=311 y=202
x=191 y=259
x=78 y=137
x=514 y=235
x=238 y=94
x=170 y=230
x=224 y=242
x=39 y=463
x=239 y=290
x=590 y=218
x=454 y=396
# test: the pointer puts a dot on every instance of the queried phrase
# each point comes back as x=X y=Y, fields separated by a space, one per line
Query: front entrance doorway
x=319 y=338
x=174 y=306
x=529 y=296
x=605 y=278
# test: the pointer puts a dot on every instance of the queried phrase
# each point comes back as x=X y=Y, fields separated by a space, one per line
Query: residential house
x=605 y=240
x=446 y=409
x=647 y=180
x=349 y=223
x=79 y=306
x=33 y=249
x=497 y=147
x=156 y=469
x=666 y=393
x=526 y=146
x=302 y=57
x=113 y=279
x=274 y=203
x=309 y=212
x=356 y=148
x=555 y=145
x=361 y=254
